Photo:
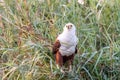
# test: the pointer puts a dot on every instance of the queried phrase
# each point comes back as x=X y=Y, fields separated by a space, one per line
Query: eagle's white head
x=69 y=28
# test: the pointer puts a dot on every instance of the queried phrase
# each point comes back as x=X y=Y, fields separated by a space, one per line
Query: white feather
x=68 y=40
x=81 y=2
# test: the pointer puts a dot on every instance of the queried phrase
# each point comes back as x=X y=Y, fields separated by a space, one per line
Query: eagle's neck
x=68 y=32
x=68 y=37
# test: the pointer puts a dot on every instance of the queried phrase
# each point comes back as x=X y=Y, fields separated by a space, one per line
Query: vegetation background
x=28 y=29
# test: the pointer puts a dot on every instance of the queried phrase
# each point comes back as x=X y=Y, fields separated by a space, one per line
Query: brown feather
x=76 y=49
x=56 y=47
x=59 y=59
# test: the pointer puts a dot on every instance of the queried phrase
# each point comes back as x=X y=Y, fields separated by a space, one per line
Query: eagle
x=65 y=47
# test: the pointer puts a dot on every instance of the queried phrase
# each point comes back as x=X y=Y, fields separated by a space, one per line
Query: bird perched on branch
x=65 y=47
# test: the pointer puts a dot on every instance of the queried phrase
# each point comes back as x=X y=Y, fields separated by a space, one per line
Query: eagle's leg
x=59 y=62
x=70 y=65
x=70 y=61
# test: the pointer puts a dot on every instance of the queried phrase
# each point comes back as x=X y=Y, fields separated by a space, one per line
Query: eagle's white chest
x=66 y=49
x=68 y=44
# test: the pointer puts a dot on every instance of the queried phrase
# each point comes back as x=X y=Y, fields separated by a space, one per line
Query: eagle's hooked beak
x=68 y=26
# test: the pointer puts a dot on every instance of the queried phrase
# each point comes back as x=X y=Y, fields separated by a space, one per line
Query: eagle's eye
x=69 y=26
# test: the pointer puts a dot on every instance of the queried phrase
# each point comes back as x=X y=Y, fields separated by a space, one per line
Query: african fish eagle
x=65 y=47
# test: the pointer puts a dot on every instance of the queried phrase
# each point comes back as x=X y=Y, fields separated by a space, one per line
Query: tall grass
x=28 y=29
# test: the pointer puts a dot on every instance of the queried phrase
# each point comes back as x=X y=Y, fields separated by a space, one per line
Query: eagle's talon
x=62 y=71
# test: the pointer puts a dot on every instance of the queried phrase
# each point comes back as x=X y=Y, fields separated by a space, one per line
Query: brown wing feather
x=56 y=47
x=76 y=50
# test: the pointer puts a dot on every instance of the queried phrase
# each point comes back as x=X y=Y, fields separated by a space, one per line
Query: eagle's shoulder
x=56 y=47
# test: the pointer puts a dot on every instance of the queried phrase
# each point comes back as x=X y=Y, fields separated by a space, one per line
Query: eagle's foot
x=62 y=71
